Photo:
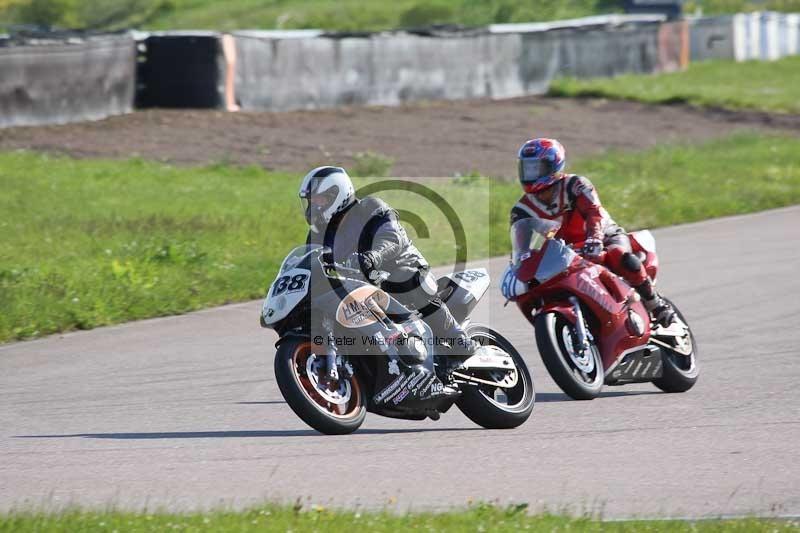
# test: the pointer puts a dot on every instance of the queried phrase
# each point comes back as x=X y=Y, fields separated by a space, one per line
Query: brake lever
x=379 y=278
x=339 y=267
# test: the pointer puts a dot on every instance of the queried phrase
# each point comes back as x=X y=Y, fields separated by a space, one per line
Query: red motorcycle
x=591 y=326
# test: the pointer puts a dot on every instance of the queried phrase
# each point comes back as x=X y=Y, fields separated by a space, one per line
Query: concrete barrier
x=601 y=52
x=711 y=38
x=304 y=69
x=393 y=68
x=385 y=69
x=52 y=82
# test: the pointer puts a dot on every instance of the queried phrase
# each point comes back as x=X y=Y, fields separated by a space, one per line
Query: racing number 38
x=469 y=275
x=290 y=284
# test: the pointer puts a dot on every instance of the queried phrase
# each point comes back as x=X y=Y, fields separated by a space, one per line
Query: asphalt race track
x=183 y=412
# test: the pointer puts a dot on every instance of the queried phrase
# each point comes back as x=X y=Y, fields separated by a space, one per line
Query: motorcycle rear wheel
x=332 y=411
x=558 y=356
x=480 y=403
x=680 y=371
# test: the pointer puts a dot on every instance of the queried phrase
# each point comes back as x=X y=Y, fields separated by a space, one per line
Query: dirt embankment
x=434 y=139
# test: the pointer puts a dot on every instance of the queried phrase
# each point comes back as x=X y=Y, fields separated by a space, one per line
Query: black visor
x=531 y=170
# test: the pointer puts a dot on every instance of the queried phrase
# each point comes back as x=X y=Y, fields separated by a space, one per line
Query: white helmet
x=324 y=192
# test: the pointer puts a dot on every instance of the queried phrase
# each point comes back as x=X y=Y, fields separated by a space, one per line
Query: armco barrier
x=57 y=82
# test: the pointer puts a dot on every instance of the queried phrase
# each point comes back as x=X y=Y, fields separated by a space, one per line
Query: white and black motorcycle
x=347 y=347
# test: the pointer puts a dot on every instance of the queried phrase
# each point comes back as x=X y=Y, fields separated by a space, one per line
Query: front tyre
x=579 y=375
x=335 y=408
x=492 y=407
x=680 y=365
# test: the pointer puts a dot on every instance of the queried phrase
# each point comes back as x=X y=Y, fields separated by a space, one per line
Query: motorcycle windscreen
x=556 y=258
x=298 y=256
x=528 y=235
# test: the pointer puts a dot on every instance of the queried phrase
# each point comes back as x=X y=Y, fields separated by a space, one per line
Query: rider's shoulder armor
x=374 y=207
x=577 y=185
x=518 y=213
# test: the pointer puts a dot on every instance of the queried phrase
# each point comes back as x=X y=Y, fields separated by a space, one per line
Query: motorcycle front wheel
x=579 y=375
x=331 y=407
x=492 y=407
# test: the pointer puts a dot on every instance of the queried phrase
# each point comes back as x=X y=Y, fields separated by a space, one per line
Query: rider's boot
x=443 y=323
x=661 y=311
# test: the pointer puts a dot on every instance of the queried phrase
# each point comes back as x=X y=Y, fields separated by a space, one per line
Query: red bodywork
x=605 y=297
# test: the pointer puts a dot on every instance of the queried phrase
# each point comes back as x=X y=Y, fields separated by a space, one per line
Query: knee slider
x=631 y=262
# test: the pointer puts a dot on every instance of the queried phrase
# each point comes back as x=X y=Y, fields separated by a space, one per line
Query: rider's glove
x=362 y=261
x=592 y=248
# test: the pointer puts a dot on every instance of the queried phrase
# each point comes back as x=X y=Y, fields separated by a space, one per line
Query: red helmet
x=541 y=163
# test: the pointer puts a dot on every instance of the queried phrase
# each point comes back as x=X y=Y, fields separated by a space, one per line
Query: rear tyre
x=680 y=371
x=580 y=376
x=492 y=407
x=334 y=409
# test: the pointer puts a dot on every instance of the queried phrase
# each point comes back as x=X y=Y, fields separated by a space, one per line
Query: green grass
x=355 y=15
x=378 y=15
x=717 y=7
x=287 y=518
x=348 y=15
x=760 y=85
x=89 y=243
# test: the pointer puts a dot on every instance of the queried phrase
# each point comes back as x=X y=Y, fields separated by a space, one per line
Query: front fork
x=330 y=358
x=584 y=337
x=334 y=362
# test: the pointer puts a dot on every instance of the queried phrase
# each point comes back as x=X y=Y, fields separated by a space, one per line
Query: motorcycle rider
x=366 y=234
x=551 y=194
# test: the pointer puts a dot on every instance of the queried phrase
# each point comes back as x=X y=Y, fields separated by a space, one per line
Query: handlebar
x=343 y=268
x=381 y=275
x=600 y=259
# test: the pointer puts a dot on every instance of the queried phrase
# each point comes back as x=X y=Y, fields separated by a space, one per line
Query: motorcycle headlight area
x=510 y=286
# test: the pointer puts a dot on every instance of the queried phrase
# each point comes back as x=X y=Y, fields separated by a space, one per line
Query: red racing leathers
x=577 y=207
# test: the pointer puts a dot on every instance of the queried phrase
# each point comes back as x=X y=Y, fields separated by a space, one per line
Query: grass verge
x=288 y=518
x=348 y=15
x=89 y=243
x=759 y=85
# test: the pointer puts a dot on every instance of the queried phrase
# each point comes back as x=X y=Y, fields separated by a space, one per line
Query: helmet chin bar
x=316 y=218
x=541 y=184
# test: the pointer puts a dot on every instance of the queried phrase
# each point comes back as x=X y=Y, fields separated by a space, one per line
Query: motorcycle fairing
x=462 y=291
x=637 y=365
x=644 y=245
x=288 y=290
x=409 y=389
x=405 y=378
x=613 y=332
